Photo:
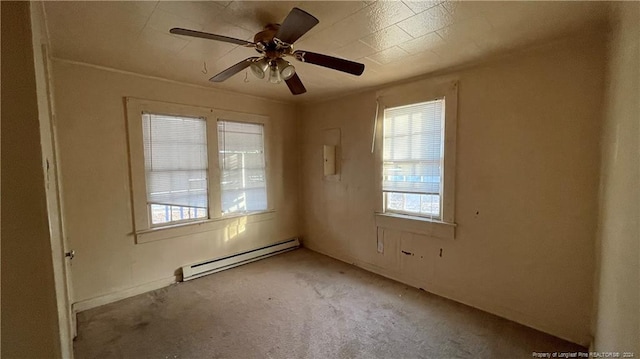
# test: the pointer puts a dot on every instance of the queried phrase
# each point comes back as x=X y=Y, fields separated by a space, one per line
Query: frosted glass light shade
x=274 y=75
x=286 y=69
x=259 y=67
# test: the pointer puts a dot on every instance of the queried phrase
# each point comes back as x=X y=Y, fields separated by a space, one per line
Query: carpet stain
x=317 y=292
x=141 y=325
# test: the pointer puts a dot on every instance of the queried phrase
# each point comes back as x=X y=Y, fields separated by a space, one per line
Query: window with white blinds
x=413 y=154
x=242 y=163
x=175 y=161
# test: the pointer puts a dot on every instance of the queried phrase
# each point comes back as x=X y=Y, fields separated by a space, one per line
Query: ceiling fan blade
x=233 y=70
x=295 y=85
x=206 y=35
x=297 y=23
x=331 y=62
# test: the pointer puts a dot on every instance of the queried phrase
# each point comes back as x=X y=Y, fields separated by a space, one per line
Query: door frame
x=46 y=114
x=56 y=214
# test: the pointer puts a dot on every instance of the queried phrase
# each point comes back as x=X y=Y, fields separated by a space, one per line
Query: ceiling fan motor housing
x=268 y=45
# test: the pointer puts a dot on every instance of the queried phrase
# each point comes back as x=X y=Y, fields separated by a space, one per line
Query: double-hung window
x=176 y=168
x=413 y=158
x=415 y=153
x=242 y=163
x=192 y=165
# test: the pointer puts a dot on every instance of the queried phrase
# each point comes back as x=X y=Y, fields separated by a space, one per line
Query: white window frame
x=143 y=230
x=415 y=93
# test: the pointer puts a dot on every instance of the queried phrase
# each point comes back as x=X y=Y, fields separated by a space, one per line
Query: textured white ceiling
x=394 y=39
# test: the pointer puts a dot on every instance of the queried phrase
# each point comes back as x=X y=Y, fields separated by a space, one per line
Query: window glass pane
x=161 y=213
x=413 y=153
x=430 y=205
x=175 y=151
x=412 y=203
x=395 y=201
x=242 y=163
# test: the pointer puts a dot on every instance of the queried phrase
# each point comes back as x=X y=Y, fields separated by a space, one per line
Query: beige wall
x=618 y=303
x=29 y=315
x=526 y=189
x=92 y=141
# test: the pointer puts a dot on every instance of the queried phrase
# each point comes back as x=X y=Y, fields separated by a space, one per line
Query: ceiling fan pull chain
x=204 y=68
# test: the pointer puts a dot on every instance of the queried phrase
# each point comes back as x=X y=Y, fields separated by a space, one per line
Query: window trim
x=411 y=94
x=143 y=231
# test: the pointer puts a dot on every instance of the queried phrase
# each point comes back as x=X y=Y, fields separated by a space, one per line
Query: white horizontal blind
x=175 y=161
x=242 y=163
x=413 y=149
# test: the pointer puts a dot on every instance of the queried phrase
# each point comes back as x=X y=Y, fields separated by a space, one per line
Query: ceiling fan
x=273 y=43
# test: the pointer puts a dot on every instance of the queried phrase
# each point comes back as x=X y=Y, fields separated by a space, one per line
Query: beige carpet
x=301 y=305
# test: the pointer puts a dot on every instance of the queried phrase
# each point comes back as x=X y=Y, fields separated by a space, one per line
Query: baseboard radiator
x=198 y=270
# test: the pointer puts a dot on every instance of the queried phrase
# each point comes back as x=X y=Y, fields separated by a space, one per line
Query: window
x=242 y=166
x=195 y=169
x=413 y=150
x=175 y=162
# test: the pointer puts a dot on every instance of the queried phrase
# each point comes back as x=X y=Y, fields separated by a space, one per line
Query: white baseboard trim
x=122 y=294
x=483 y=305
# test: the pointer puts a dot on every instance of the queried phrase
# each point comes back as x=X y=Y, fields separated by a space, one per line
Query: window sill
x=417 y=225
x=189 y=228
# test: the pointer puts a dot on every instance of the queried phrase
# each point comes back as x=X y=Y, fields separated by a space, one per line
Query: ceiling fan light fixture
x=274 y=74
x=286 y=69
x=259 y=67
